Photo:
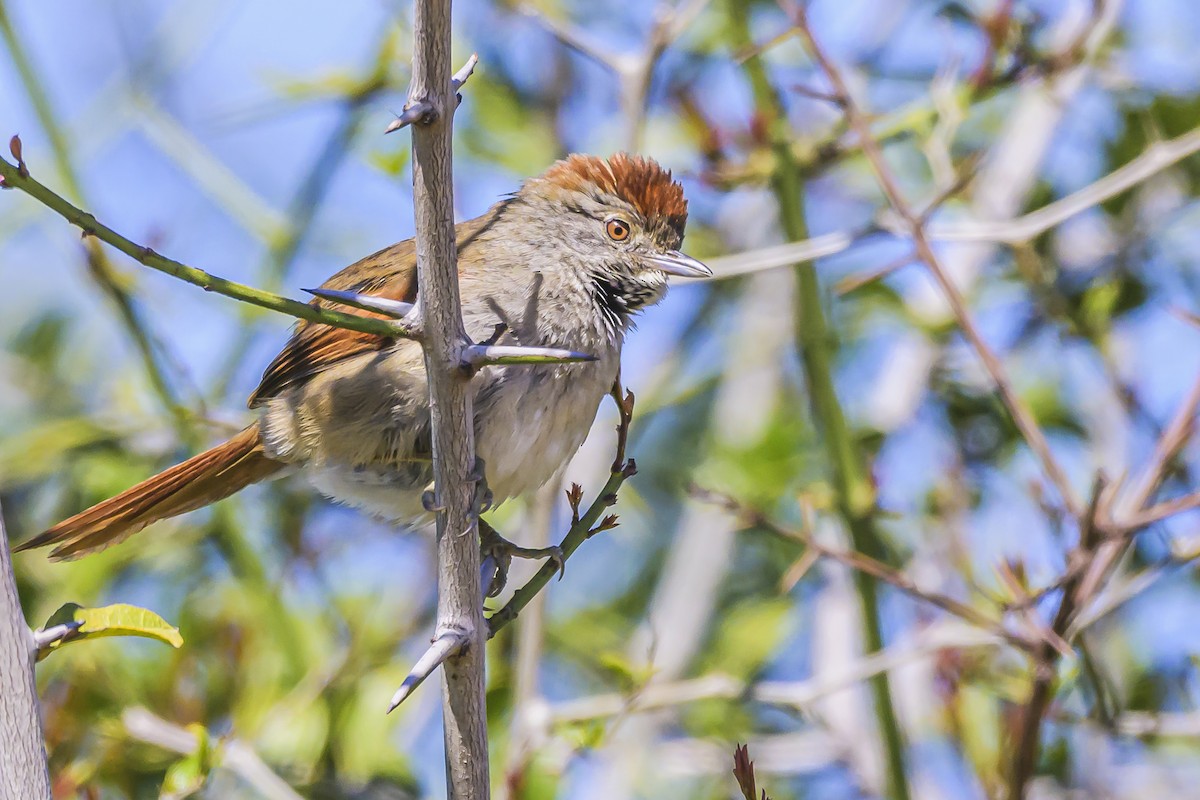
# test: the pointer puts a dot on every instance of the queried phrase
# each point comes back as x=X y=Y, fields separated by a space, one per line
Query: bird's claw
x=483 y=494
x=503 y=552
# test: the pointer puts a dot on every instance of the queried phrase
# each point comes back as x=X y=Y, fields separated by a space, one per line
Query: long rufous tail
x=202 y=479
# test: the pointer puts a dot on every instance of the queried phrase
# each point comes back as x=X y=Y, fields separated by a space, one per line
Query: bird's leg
x=493 y=545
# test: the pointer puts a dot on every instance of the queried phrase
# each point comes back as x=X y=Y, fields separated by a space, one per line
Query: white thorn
x=481 y=355
x=44 y=637
x=444 y=646
x=468 y=68
x=383 y=305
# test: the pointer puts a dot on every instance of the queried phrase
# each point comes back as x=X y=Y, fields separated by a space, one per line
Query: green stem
x=197 y=277
x=855 y=495
x=578 y=534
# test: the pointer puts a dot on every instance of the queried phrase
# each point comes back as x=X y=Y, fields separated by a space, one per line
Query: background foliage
x=244 y=139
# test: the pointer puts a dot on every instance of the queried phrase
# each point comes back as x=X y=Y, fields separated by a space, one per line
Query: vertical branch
x=23 y=773
x=460 y=610
x=855 y=494
x=1027 y=746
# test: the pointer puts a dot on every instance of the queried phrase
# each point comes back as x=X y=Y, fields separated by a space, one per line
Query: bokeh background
x=246 y=139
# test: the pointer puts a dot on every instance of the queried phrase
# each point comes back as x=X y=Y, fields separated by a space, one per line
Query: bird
x=566 y=261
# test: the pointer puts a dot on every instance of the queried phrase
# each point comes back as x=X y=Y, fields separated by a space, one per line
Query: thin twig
x=1021 y=414
x=1172 y=440
x=1018 y=230
x=197 y=277
x=583 y=525
x=871 y=566
x=1028 y=740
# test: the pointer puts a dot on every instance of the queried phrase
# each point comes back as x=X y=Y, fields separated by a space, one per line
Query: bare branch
x=460 y=606
x=1172 y=440
x=1155 y=513
x=800 y=695
x=1027 y=743
x=870 y=566
x=447 y=644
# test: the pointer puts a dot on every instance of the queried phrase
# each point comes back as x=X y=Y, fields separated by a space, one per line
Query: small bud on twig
x=14 y=147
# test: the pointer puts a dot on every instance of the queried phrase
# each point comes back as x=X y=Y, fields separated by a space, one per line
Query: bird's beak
x=674 y=262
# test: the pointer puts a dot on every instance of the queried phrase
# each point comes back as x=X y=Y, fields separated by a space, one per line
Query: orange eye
x=618 y=229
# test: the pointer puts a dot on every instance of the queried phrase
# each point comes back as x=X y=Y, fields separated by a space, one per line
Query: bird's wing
x=390 y=273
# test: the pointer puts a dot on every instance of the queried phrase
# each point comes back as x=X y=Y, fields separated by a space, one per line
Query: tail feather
x=202 y=479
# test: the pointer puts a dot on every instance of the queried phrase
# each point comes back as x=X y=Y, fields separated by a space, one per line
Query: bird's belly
x=525 y=436
x=529 y=421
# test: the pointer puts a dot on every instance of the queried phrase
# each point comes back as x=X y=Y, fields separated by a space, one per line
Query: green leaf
x=188 y=775
x=115 y=620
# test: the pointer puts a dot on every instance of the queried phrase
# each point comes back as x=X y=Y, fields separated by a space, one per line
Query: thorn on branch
x=448 y=644
x=366 y=302
x=44 y=637
x=468 y=69
x=422 y=111
x=477 y=356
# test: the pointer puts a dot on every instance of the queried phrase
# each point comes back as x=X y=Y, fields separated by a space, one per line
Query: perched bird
x=565 y=262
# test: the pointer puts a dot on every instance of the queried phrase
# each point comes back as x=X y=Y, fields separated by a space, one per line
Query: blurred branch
x=23 y=772
x=210 y=174
x=1021 y=415
x=583 y=526
x=799 y=695
x=1133 y=510
x=861 y=562
x=1018 y=230
x=1028 y=739
x=634 y=73
x=855 y=495
x=233 y=754
x=524 y=743
x=146 y=256
x=111 y=282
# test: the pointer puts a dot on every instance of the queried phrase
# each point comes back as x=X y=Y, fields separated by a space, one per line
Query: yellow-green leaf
x=120 y=619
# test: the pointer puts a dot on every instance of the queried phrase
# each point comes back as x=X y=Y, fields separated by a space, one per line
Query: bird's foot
x=502 y=551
